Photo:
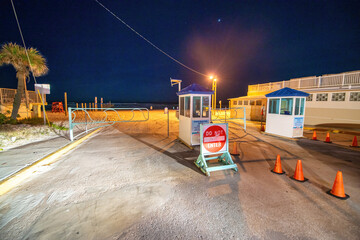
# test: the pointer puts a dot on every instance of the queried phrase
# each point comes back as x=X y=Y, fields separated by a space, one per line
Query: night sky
x=90 y=53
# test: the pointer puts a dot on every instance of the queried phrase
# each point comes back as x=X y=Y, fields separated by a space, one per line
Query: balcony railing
x=333 y=80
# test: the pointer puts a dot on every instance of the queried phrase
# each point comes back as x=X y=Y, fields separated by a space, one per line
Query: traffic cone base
x=314 y=136
x=342 y=198
x=327 y=139
x=305 y=179
x=278 y=173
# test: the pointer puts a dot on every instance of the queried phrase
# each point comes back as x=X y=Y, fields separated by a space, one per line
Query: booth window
x=240 y=102
x=286 y=106
x=252 y=102
x=235 y=103
x=299 y=106
x=205 y=107
x=196 y=107
x=274 y=106
x=187 y=106
x=258 y=102
x=245 y=102
x=182 y=106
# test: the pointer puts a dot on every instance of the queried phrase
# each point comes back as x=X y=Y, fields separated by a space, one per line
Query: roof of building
x=194 y=89
x=287 y=92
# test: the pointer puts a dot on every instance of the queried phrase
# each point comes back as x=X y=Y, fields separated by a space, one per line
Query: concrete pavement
x=126 y=184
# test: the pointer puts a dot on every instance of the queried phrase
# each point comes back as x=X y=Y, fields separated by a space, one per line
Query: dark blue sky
x=90 y=53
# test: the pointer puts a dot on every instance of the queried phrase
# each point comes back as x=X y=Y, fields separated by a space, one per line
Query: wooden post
x=82 y=105
x=77 y=105
x=65 y=101
x=85 y=105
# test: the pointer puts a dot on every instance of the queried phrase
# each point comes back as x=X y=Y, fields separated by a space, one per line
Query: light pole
x=213 y=102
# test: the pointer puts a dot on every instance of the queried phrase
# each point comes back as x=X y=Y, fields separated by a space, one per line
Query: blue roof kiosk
x=194 y=109
x=286 y=111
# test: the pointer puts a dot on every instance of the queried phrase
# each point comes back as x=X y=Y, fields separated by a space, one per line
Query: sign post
x=214 y=144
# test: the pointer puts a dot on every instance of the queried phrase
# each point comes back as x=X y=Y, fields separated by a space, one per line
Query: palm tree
x=15 y=55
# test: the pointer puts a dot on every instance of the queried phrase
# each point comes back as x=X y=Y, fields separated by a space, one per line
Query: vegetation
x=15 y=55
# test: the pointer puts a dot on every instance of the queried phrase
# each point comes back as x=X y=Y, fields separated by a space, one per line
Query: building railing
x=7 y=96
x=333 y=80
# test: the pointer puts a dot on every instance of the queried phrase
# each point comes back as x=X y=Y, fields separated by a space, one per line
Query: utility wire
x=148 y=41
x=22 y=37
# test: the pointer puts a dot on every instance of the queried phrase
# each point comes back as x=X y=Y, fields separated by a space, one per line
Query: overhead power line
x=22 y=37
x=148 y=41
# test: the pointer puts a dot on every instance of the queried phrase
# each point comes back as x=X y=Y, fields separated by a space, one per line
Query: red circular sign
x=214 y=138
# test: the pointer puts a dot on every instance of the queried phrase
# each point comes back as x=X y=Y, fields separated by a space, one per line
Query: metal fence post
x=70 y=126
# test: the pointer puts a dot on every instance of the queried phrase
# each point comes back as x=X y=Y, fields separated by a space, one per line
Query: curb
x=12 y=181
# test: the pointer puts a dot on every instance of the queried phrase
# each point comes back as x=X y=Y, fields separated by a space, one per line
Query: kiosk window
x=181 y=106
x=240 y=102
x=299 y=106
x=274 y=105
x=245 y=102
x=258 y=102
x=252 y=102
x=286 y=106
x=235 y=103
x=187 y=106
x=196 y=107
x=205 y=107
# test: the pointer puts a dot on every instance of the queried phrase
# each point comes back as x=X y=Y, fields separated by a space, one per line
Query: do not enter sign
x=214 y=138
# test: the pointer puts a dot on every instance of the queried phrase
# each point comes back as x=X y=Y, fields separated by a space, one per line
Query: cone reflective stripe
x=299 y=175
x=327 y=140
x=314 y=136
x=354 y=142
x=338 y=187
x=235 y=151
x=277 y=168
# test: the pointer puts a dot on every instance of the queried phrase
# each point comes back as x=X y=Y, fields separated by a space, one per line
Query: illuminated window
x=187 y=106
x=286 y=106
x=205 y=106
x=274 y=105
x=299 y=106
x=252 y=102
x=182 y=106
x=258 y=102
x=245 y=102
x=239 y=102
x=196 y=107
x=235 y=103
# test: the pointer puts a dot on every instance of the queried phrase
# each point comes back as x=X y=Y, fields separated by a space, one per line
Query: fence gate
x=93 y=118
x=234 y=115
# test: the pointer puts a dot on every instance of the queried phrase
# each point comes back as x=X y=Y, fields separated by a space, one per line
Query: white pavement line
x=12 y=181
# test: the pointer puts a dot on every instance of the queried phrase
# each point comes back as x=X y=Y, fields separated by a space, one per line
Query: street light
x=213 y=102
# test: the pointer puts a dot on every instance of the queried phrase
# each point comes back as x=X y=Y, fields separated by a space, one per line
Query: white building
x=333 y=99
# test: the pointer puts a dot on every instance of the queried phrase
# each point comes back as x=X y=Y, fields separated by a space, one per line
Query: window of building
x=321 y=97
x=187 y=106
x=286 y=106
x=338 y=97
x=196 y=107
x=205 y=106
x=299 y=106
x=252 y=102
x=355 y=96
x=182 y=106
x=240 y=102
x=258 y=102
x=234 y=102
x=245 y=102
x=274 y=105
x=309 y=98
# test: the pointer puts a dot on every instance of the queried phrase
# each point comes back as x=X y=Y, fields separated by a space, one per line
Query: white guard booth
x=286 y=111
x=194 y=109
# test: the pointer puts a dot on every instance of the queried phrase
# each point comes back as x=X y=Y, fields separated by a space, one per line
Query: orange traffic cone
x=235 y=151
x=354 y=142
x=277 y=168
x=338 y=187
x=299 y=175
x=314 y=136
x=327 y=140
